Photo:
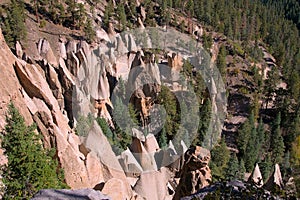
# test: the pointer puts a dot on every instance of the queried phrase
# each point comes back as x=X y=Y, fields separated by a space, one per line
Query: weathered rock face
x=9 y=84
x=144 y=82
x=50 y=92
x=175 y=61
x=96 y=142
x=154 y=185
x=45 y=51
x=195 y=173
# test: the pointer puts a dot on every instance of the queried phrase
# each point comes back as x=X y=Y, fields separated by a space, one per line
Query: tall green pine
x=277 y=144
x=30 y=167
x=232 y=171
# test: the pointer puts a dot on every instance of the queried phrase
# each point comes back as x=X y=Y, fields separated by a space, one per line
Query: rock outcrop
x=10 y=85
x=256 y=177
x=45 y=51
x=154 y=185
x=275 y=180
x=64 y=194
x=195 y=173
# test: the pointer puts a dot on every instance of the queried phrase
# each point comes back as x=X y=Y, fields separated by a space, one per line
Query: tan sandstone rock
x=195 y=173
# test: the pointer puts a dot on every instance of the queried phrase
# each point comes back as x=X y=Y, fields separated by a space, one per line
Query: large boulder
x=116 y=189
x=154 y=185
x=64 y=194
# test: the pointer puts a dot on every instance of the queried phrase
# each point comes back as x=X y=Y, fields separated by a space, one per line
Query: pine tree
x=204 y=121
x=162 y=140
x=260 y=140
x=168 y=100
x=277 y=144
x=266 y=167
x=121 y=16
x=295 y=153
x=106 y=130
x=121 y=87
x=232 y=171
x=220 y=156
x=83 y=125
x=242 y=170
x=207 y=42
x=109 y=9
x=14 y=25
x=250 y=155
x=30 y=167
x=89 y=31
x=243 y=137
x=72 y=9
x=221 y=61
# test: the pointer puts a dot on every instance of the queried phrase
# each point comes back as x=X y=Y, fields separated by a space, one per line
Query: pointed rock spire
x=275 y=179
x=256 y=177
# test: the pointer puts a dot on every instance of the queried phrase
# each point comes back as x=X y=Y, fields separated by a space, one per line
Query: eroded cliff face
x=39 y=94
x=52 y=91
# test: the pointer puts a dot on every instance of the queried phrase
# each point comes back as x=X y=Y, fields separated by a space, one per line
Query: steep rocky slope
x=56 y=77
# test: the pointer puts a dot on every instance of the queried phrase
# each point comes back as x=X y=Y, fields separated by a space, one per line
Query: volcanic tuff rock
x=87 y=194
x=195 y=173
x=10 y=85
x=256 y=177
x=275 y=180
x=54 y=93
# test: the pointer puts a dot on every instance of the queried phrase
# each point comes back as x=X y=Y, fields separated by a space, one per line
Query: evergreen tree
x=190 y=8
x=14 y=24
x=30 y=167
x=277 y=144
x=250 y=155
x=109 y=11
x=89 y=31
x=168 y=100
x=121 y=87
x=77 y=12
x=221 y=61
x=204 y=121
x=162 y=140
x=207 y=42
x=243 y=136
x=72 y=9
x=295 y=153
x=242 y=170
x=84 y=124
x=260 y=140
x=121 y=16
x=266 y=167
x=220 y=156
x=232 y=171
x=106 y=130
